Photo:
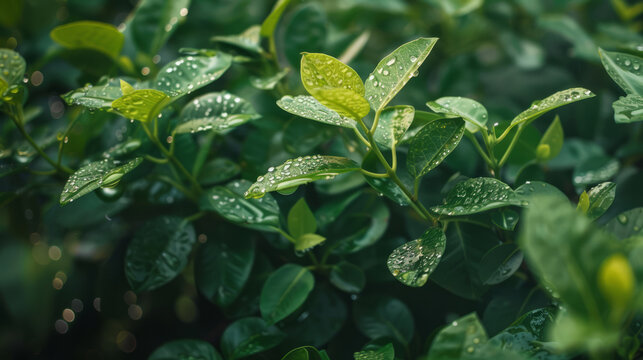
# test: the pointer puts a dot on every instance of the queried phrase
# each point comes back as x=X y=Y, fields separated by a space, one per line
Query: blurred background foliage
x=63 y=291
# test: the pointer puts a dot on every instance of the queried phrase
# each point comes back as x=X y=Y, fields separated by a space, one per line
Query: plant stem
x=513 y=142
x=372 y=174
x=476 y=144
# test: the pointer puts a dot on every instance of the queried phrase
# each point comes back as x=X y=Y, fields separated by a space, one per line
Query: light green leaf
x=601 y=198
x=393 y=123
x=384 y=317
x=154 y=21
x=158 y=252
x=625 y=70
x=301 y=220
x=626 y=224
x=126 y=88
x=471 y=111
x=300 y=171
x=249 y=336
x=395 y=70
x=552 y=140
x=141 y=105
x=458 y=7
x=308 y=107
x=270 y=23
x=307 y=241
x=91 y=35
x=268 y=82
x=99 y=96
x=583 y=202
x=189 y=73
x=551 y=102
x=248 y=40
x=229 y=202
x=478 y=195
x=459 y=339
x=413 y=262
x=12 y=67
x=628 y=109
x=183 y=349
x=347 y=277
x=94 y=175
x=303 y=353
x=431 y=145
x=219 y=112
x=345 y=102
x=3 y=86
x=386 y=352
x=285 y=291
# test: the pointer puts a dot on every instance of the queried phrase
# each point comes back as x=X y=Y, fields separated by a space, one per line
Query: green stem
x=155 y=159
x=372 y=174
x=476 y=144
x=361 y=137
x=512 y=144
x=195 y=216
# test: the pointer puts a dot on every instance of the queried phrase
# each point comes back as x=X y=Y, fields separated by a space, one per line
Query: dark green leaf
x=218 y=170
x=378 y=222
x=154 y=21
x=303 y=353
x=306 y=31
x=270 y=81
x=505 y=219
x=91 y=35
x=383 y=316
x=601 y=198
x=249 y=336
x=393 y=123
x=477 y=195
x=386 y=352
x=627 y=224
x=185 y=349
x=471 y=111
x=458 y=340
x=285 y=291
x=219 y=112
x=500 y=263
x=413 y=262
x=347 y=277
x=431 y=145
x=531 y=189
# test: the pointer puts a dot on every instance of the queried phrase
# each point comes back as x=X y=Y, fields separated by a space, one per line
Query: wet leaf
x=386 y=352
x=626 y=224
x=189 y=73
x=413 y=262
x=154 y=21
x=601 y=198
x=505 y=218
x=219 y=112
x=90 y=35
x=432 y=144
x=285 y=291
x=540 y=107
x=248 y=40
x=628 y=109
x=459 y=340
x=303 y=353
x=218 y=170
x=99 y=96
x=182 y=349
x=141 y=105
x=595 y=169
x=307 y=241
x=12 y=67
x=477 y=195
x=532 y=189
x=249 y=336
x=469 y=110
x=625 y=70
x=268 y=82
x=393 y=123
x=308 y=107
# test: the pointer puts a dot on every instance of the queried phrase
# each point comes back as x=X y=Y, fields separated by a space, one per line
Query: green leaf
x=471 y=111
x=499 y=263
x=307 y=30
x=229 y=202
x=249 y=336
x=3 y=86
x=141 y=105
x=553 y=140
x=154 y=21
x=99 y=96
x=189 y=73
x=395 y=70
x=334 y=84
x=594 y=170
x=270 y=23
x=384 y=317
x=458 y=7
x=308 y=107
x=532 y=189
x=386 y=352
x=300 y=171
x=628 y=109
x=583 y=202
x=91 y=35
x=158 y=252
x=248 y=40
x=393 y=123
x=625 y=70
x=347 y=277
x=431 y=145
x=477 y=195
x=183 y=349
x=307 y=241
x=219 y=112
x=222 y=268
x=285 y=291
x=459 y=339
x=12 y=67
x=378 y=220
x=94 y=175
x=270 y=81
x=626 y=224
x=301 y=220
x=568 y=28
x=413 y=262
x=218 y=170
x=126 y=88
x=540 y=107
x=601 y=198
x=505 y=218
x=303 y=353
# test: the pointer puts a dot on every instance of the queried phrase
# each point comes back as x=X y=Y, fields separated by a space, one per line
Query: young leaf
x=91 y=35
x=307 y=241
x=625 y=70
x=393 y=123
x=478 y=195
x=248 y=40
x=141 y=105
x=386 y=352
x=94 y=175
x=249 y=336
x=300 y=171
x=158 y=252
x=126 y=88
x=12 y=67
x=459 y=339
x=99 y=96
x=303 y=353
x=384 y=317
x=540 y=107
x=347 y=277
x=189 y=73
x=219 y=112
x=600 y=199
x=474 y=114
x=154 y=21
x=395 y=70
x=229 y=202
x=553 y=140
x=285 y=291
x=179 y=349
x=628 y=109
x=270 y=23
x=413 y=262
x=301 y=220
x=431 y=145
x=308 y=107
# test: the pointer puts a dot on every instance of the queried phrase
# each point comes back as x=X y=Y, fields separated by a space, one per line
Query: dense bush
x=212 y=180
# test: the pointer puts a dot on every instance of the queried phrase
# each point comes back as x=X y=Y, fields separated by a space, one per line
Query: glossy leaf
x=12 y=67
x=308 y=107
x=222 y=268
x=229 y=202
x=469 y=110
x=90 y=35
x=189 y=73
x=413 y=262
x=532 y=189
x=505 y=218
x=625 y=70
x=500 y=263
x=158 y=252
x=301 y=220
x=219 y=112
x=431 y=145
x=628 y=109
x=395 y=70
x=249 y=336
x=248 y=40
x=285 y=291
x=270 y=81
x=347 y=277
x=383 y=316
x=386 y=352
x=601 y=198
x=303 y=353
x=300 y=171
x=307 y=241
x=595 y=170
x=626 y=224
x=459 y=339
x=99 y=96
x=154 y=21
x=477 y=195
x=94 y=175
x=141 y=105
x=393 y=123
x=552 y=140
x=184 y=349
x=270 y=23
x=540 y=107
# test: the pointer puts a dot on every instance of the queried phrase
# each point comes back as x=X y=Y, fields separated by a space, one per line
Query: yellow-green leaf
x=270 y=23
x=90 y=35
x=141 y=105
x=552 y=141
x=583 y=202
x=345 y=102
x=126 y=88
x=306 y=241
